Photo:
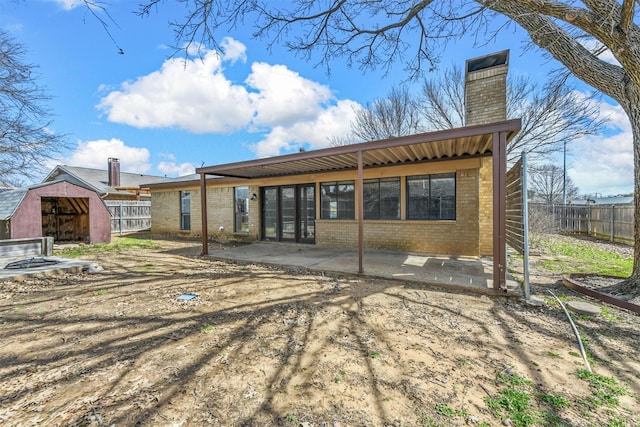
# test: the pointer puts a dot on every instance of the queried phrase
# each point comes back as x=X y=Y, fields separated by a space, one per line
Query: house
x=60 y=209
x=439 y=192
x=111 y=184
x=611 y=200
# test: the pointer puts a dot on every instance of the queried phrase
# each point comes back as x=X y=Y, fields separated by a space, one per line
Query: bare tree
x=26 y=139
x=395 y=115
x=338 y=141
x=379 y=34
x=442 y=100
x=547 y=184
x=552 y=115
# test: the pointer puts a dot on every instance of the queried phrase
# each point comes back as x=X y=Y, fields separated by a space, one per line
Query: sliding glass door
x=307 y=213
x=270 y=213
x=289 y=213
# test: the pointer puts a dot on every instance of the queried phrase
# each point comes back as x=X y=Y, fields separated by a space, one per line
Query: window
x=185 y=210
x=382 y=198
x=337 y=200
x=241 y=210
x=431 y=196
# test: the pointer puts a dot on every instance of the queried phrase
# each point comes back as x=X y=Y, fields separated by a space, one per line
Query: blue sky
x=163 y=116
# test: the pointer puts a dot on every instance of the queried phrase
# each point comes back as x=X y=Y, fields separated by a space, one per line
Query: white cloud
x=604 y=163
x=173 y=169
x=198 y=97
x=233 y=50
x=68 y=4
x=192 y=95
x=95 y=154
x=334 y=121
x=283 y=97
x=194 y=48
x=168 y=156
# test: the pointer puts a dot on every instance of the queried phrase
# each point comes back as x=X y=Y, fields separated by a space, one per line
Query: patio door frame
x=298 y=217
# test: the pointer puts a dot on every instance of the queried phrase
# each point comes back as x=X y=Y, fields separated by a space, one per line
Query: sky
x=165 y=115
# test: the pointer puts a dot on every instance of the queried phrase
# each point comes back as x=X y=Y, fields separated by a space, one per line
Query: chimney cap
x=488 y=61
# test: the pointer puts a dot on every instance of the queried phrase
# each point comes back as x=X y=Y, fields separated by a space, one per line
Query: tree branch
x=626 y=18
x=545 y=33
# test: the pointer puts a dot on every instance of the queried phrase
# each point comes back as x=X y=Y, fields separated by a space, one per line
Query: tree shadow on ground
x=260 y=346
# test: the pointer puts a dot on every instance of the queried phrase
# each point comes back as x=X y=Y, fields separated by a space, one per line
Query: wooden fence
x=515 y=207
x=609 y=222
x=128 y=216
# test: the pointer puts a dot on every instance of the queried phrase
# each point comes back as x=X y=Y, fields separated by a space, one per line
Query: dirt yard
x=265 y=346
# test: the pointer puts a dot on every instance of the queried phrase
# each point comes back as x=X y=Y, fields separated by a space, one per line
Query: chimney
x=114 y=172
x=485 y=89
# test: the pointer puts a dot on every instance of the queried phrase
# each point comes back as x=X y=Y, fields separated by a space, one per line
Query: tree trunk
x=633 y=111
x=630 y=288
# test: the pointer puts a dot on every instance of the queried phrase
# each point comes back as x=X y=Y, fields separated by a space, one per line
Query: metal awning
x=439 y=145
x=471 y=141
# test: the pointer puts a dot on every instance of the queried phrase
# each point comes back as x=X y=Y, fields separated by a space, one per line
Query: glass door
x=270 y=213
x=306 y=213
x=288 y=213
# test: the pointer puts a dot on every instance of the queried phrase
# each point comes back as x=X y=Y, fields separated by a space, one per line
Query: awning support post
x=203 y=211
x=360 y=214
x=499 y=211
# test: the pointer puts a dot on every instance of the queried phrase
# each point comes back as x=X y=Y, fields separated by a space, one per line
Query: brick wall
x=470 y=234
x=165 y=213
x=485 y=214
x=459 y=237
x=486 y=96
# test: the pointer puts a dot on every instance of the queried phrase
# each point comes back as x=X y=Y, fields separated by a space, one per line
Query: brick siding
x=485 y=96
x=458 y=237
x=165 y=213
x=469 y=234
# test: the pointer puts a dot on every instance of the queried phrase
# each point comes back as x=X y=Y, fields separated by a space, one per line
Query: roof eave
x=511 y=126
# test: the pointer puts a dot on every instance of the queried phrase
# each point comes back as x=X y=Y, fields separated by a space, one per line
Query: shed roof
x=9 y=202
x=438 y=145
x=11 y=199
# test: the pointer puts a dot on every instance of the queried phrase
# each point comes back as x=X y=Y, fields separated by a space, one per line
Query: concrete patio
x=454 y=272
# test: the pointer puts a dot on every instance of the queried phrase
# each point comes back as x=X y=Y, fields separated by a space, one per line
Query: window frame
x=341 y=201
x=241 y=210
x=426 y=212
x=378 y=201
x=185 y=214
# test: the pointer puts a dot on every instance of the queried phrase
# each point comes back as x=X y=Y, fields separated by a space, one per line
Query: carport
x=486 y=140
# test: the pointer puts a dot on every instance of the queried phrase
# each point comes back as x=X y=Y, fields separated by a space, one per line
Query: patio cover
x=471 y=141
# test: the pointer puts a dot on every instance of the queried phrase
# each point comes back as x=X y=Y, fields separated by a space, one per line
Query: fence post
x=589 y=230
x=120 y=218
x=525 y=229
x=613 y=222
